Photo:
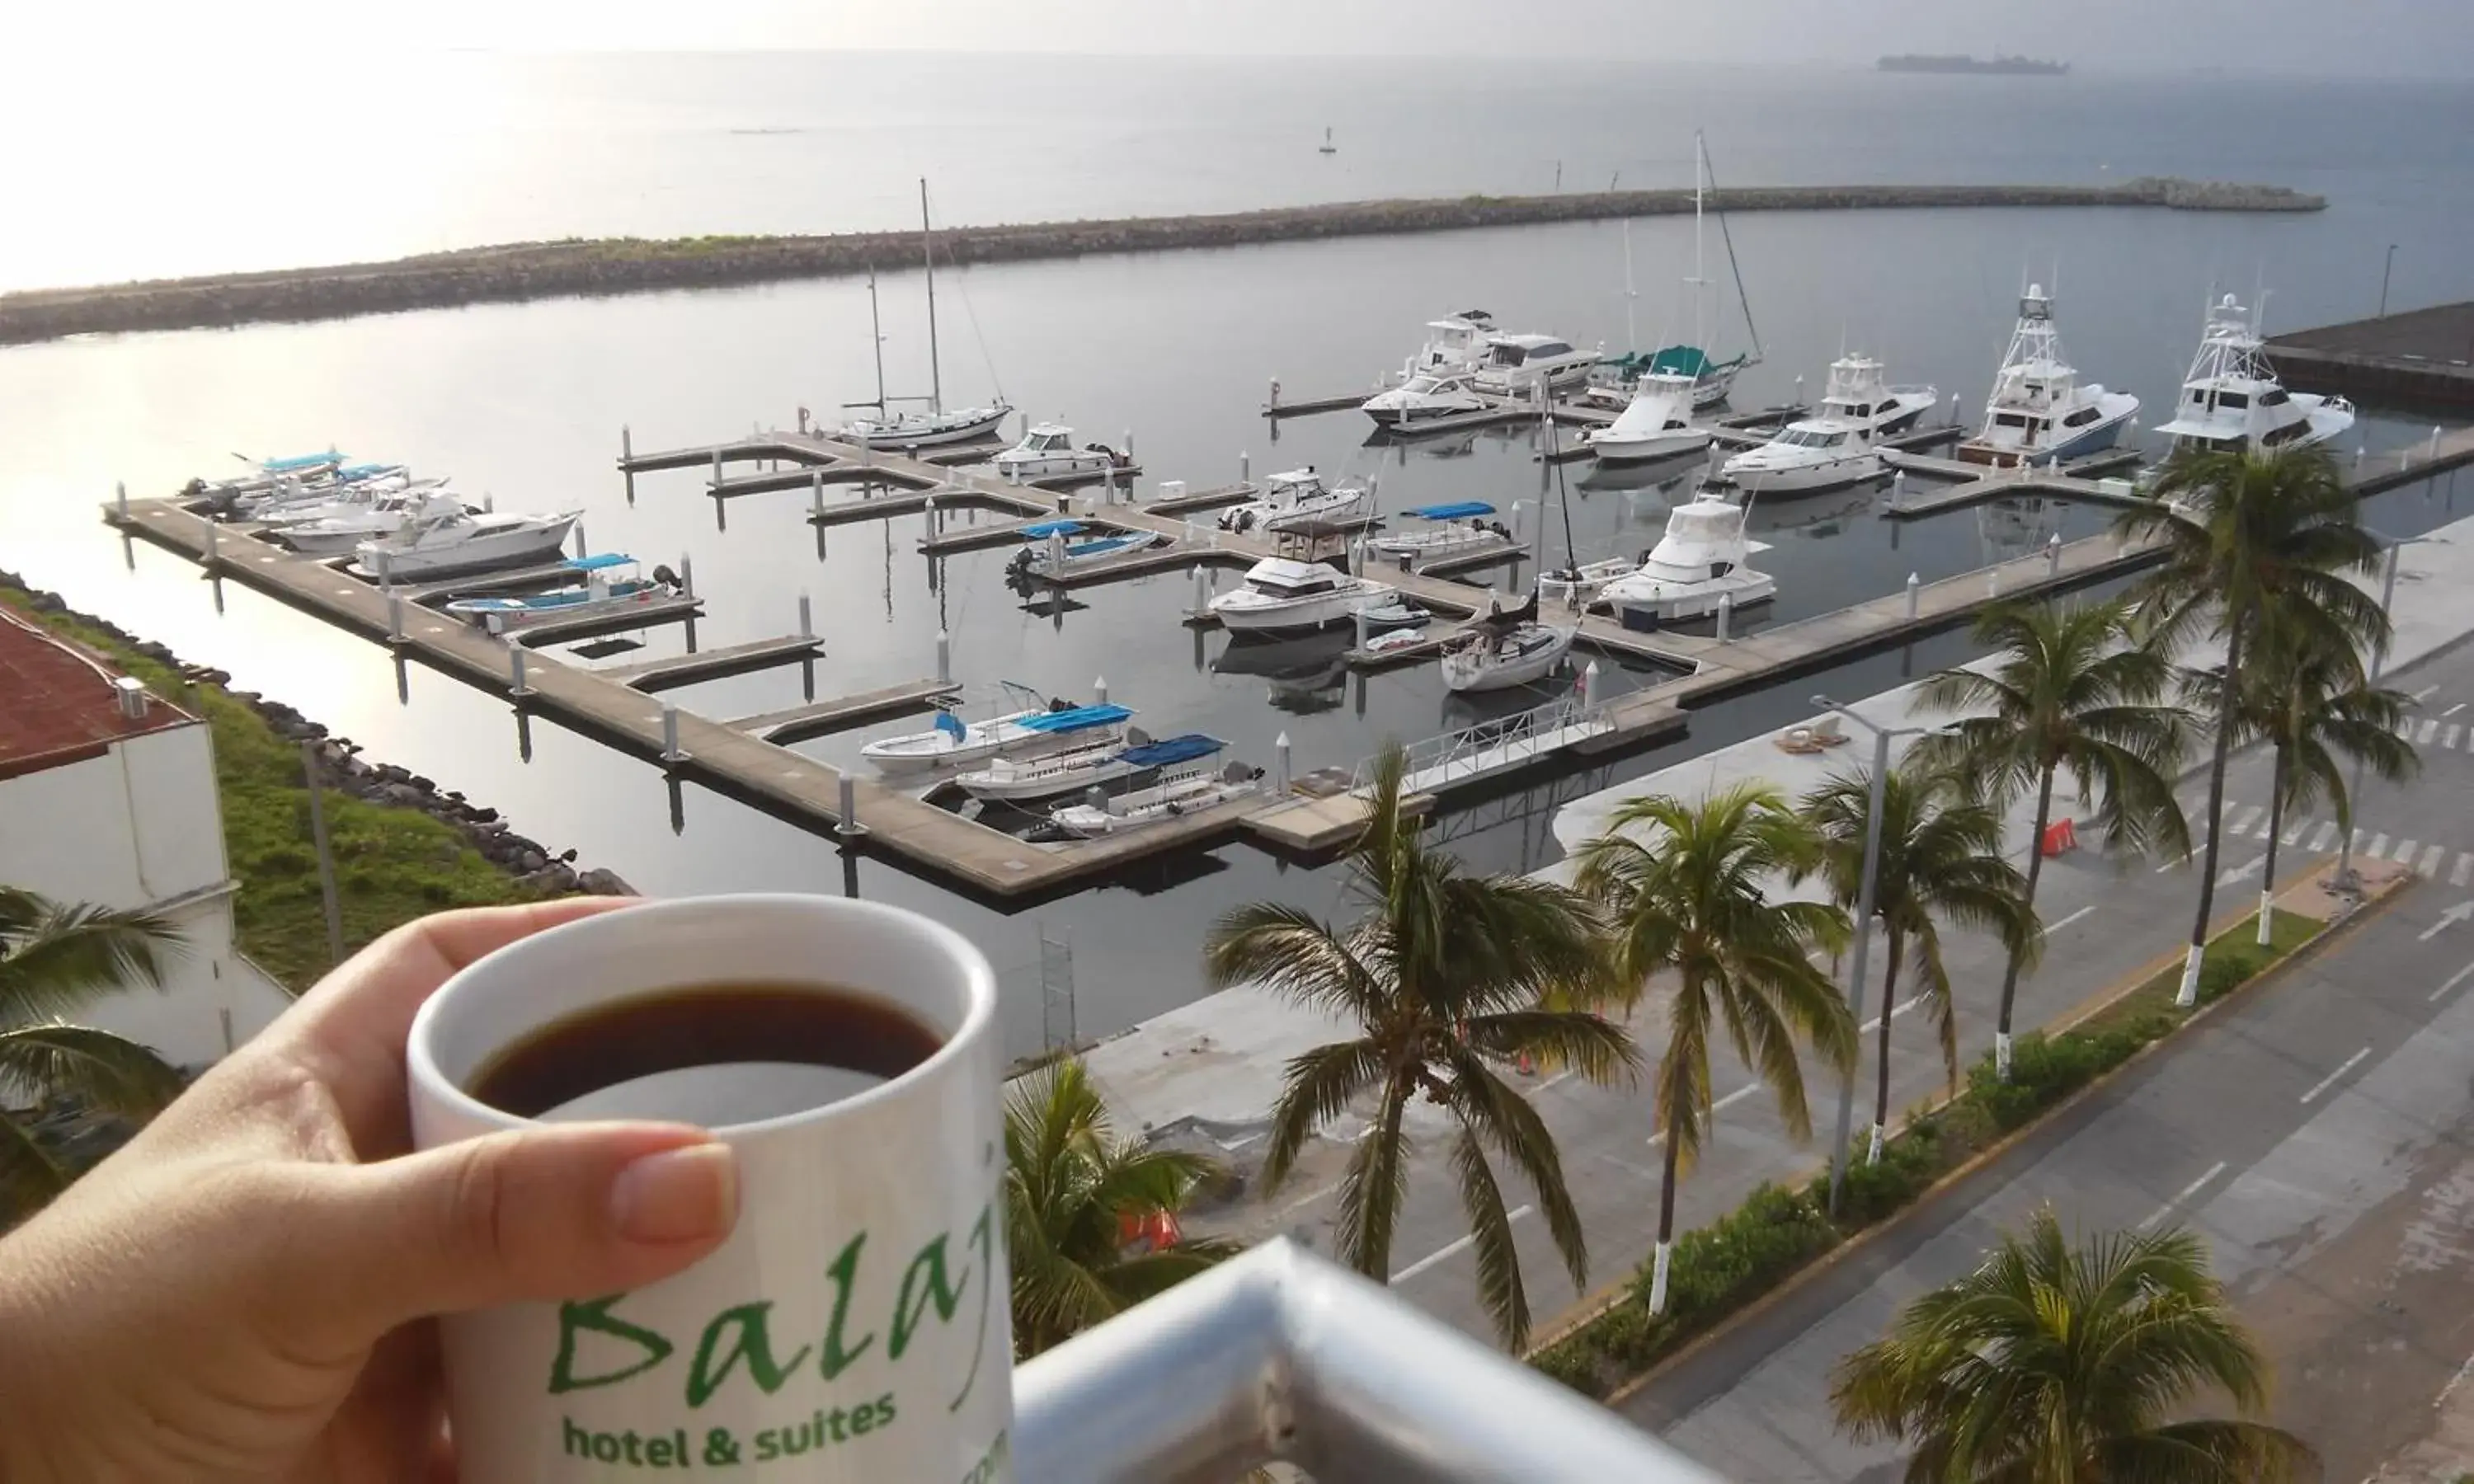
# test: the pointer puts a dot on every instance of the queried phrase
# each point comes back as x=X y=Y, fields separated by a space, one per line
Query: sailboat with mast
x=1619 y=380
x=935 y=423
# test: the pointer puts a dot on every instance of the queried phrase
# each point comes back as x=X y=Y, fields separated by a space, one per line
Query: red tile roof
x=58 y=704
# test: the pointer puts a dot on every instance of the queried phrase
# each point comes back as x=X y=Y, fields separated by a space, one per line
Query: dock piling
x=1726 y=615
x=945 y=658
x=846 y=823
x=386 y=562
x=395 y=619
x=1099 y=691
x=1365 y=626
x=516 y=685
x=817 y=491
x=1588 y=685
x=489 y=503
x=626 y=444
x=214 y=532
x=1993 y=581
x=1245 y=468
x=670 y=736
x=1915 y=595
x=717 y=468
x=2053 y=555
x=120 y=491
x=686 y=574
x=807 y=618
x=2358 y=452
x=2433 y=452
x=1274 y=404
x=1201 y=586
x=1280 y=758
x=581 y=549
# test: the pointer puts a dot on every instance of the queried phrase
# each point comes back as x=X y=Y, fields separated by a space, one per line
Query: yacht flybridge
x=1698 y=562
x=1520 y=365
x=2232 y=401
x=1843 y=444
x=1454 y=343
x=2040 y=412
x=1298 y=499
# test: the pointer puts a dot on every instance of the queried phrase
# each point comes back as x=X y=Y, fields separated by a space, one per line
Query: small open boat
x=1053 y=553
x=1180 y=792
x=1441 y=531
x=1013 y=781
x=955 y=743
x=599 y=594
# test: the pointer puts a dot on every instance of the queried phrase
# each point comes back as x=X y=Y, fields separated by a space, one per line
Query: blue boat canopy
x=1171 y=750
x=1080 y=718
x=951 y=726
x=300 y=460
x=599 y=561
x=1049 y=528
x=1461 y=511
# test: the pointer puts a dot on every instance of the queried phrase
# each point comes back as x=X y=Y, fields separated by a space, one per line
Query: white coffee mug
x=856 y=1325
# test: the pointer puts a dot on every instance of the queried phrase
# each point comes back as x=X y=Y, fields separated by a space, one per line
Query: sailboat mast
x=876 y=335
x=927 y=252
x=1699 y=260
x=1632 y=331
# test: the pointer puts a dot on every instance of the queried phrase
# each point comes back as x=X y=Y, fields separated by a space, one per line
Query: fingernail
x=680 y=1195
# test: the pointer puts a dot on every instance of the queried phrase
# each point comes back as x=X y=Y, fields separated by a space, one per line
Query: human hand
x=244 y=1291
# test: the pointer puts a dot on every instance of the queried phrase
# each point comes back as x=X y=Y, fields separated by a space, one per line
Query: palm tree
x=1073 y=1192
x=2050 y=1366
x=2315 y=710
x=1686 y=887
x=2067 y=692
x=1449 y=977
x=1939 y=857
x=2252 y=540
x=55 y=960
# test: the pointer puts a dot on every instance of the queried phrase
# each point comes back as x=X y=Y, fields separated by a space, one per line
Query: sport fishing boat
x=2040 y=412
x=1047 y=451
x=1298 y=498
x=1053 y=552
x=1180 y=792
x=347 y=526
x=1280 y=593
x=955 y=743
x=1500 y=650
x=1656 y=424
x=1520 y=365
x=1011 y=780
x=2232 y=401
x=1441 y=531
x=1698 y=562
x=1614 y=382
x=457 y=540
x=1425 y=399
x=935 y=423
x=603 y=592
x=1841 y=445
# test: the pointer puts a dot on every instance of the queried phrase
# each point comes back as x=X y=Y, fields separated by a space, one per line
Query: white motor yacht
x=1698 y=560
x=1520 y=365
x=1454 y=343
x=1441 y=531
x=2232 y=401
x=2040 y=412
x=1656 y=424
x=1047 y=451
x=1499 y=651
x=1280 y=593
x=1841 y=445
x=345 y=526
x=955 y=743
x=1015 y=779
x=1298 y=498
x=1425 y=399
x=431 y=545
x=1180 y=792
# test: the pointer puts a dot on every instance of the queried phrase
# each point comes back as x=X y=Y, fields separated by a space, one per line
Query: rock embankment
x=626 y=265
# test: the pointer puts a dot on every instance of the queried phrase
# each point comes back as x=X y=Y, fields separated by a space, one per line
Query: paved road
x=2107 y=918
x=2320 y=1134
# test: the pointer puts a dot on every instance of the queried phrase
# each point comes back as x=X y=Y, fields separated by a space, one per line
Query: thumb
x=554 y=1211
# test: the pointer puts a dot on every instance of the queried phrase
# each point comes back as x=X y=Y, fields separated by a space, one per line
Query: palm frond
x=30 y=1177
x=55 y=959
x=1319 y=1086
x=94 y=1069
x=1371 y=1189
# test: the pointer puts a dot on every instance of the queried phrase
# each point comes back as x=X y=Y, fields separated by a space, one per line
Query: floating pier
x=817 y=718
x=643 y=613
x=666 y=674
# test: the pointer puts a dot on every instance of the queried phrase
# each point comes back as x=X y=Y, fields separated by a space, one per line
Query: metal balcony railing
x=1280 y=1355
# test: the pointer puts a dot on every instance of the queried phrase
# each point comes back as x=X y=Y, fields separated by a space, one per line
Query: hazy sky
x=2418 y=36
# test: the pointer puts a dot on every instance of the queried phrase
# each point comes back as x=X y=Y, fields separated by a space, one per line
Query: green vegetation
x=392 y=864
x=56 y=960
x=2050 y=1364
x=1735 y=1260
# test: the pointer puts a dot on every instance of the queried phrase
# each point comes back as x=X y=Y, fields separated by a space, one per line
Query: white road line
x=2249 y=817
x=2424 y=694
x=2448 y=738
x=2185 y=1192
x=1742 y=1093
x=2330 y=1081
x=2454 y=980
x=2052 y=929
x=1551 y=1081
x=2453 y=710
x=2431 y=859
x=2463 y=873
x=2293 y=832
x=2426 y=732
x=2379 y=846
x=2325 y=836
x=1873 y=1024
x=2404 y=856
x=1449 y=1249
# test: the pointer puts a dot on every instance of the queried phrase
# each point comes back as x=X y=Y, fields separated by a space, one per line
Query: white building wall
x=140 y=826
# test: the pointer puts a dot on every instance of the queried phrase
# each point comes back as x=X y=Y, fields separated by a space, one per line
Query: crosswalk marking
x=2448 y=738
x=2379 y=846
x=2431 y=859
x=2463 y=874
x=2428 y=729
x=2293 y=832
x=2325 y=836
x=2243 y=821
x=2404 y=856
x=2453 y=710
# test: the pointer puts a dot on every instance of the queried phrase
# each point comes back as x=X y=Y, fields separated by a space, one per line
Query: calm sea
x=525 y=401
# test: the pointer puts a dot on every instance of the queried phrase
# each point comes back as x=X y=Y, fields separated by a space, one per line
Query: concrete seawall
x=542 y=270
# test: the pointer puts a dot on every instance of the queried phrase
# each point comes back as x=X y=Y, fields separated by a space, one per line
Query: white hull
x=2330 y=417
x=1170 y=799
x=453 y=552
x=921 y=753
x=1612 y=448
x=612 y=604
x=1669 y=602
x=1050 y=465
x=1586 y=584
x=1006 y=781
x=957 y=427
x=1346 y=502
x=1314 y=612
x=1428 y=545
x=1798 y=478
x=1479 y=668
x=334 y=540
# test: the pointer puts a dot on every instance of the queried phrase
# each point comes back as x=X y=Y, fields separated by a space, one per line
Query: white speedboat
x=607 y=591
x=1180 y=792
x=1055 y=550
x=369 y=509
x=1441 y=531
x=1697 y=562
x=1284 y=594
x=1010 y=779
x=1397 y=613
x=1454 y=343
x=1425 y=399
x=1656 y=424
x=2040 y=412
x=1298 y=498
x=333 y=536
x=1047 y=451
x=955 y=743
x=1499 y=651
x=2232 y=401
x=1841 y=445
x=435 y=545
x=1520 y=365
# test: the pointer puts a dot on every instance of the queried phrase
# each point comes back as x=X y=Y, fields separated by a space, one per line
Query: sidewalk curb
x=1812 y=1272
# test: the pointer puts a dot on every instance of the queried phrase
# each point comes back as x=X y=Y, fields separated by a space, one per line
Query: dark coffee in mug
x=715 y=1055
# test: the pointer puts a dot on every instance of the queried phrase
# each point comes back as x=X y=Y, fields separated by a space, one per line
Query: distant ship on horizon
x=2003 y=66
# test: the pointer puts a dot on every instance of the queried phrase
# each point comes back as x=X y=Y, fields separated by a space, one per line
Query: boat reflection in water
x=1307 y=672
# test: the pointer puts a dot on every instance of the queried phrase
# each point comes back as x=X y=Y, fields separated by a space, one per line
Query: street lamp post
x=1864 y=895
x=2345 y=879
x=2385 y=270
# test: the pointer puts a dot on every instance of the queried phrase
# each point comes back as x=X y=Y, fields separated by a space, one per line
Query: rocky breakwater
x=343 y=769
x=541 y=270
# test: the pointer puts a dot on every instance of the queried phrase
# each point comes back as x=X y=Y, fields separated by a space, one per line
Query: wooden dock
x=1194 y=501
x=667 y=608
x=817 y=718
x=651 y=675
